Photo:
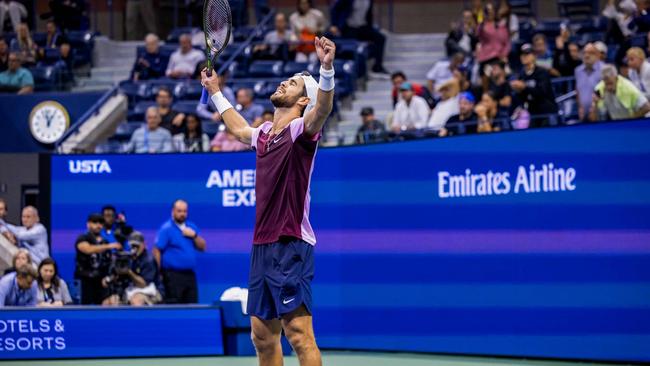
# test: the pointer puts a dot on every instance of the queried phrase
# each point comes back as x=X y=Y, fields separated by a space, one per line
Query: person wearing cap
x=465 y=120
x=533 y=88
x=93 y=258
x=282 y=258
x=176 y=249
x=447 y=106
x=411 y=112
x=639 y=70
x=616 y=97
x=371 y=129
x=587 y=77
x=140 y=283
x=398 y=78
x=32 y=235
x=19 y=288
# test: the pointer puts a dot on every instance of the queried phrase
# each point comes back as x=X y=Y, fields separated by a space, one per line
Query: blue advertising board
x=94 y=332
x=530 y=243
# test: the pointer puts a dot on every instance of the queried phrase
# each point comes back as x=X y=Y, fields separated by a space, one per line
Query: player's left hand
x=325 y=49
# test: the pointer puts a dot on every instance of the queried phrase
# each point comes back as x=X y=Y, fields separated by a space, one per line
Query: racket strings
x=217 y=24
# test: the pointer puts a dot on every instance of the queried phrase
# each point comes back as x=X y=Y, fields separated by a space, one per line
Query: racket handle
x=205 y=96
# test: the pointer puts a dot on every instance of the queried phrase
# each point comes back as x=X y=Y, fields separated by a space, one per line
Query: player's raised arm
x=235 y=123
x=315 y=118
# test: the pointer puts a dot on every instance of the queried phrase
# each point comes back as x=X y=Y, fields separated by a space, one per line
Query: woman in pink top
x=493 y=38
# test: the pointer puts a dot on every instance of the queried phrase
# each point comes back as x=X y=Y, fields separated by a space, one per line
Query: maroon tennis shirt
x=284 y=165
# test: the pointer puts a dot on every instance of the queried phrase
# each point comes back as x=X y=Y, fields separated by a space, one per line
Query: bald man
x=151 y=138
x=31 y=236
x=183 y=62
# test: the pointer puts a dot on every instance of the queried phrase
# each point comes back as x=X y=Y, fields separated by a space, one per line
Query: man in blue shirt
x=175 y=252
x=16 y=78
x=151 y=64
x=252 y=112
x=19 y=288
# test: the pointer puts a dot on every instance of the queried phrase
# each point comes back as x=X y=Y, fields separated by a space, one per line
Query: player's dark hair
x=56 y=281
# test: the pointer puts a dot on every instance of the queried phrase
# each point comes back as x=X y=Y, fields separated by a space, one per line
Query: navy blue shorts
x=280 y=278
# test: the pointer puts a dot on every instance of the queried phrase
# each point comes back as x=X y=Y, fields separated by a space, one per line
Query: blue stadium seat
x=243 y=83
x=190 y=90
x=639 y=40
x=137 y=114
x=45 y=77
x=265 y=103
x=210 y=128
x=51 y=55
x=39 y=38
x=291 y=68
x=84 y=43
x=176 y=33
x=167 y=49
x=263 y=90
x=265 y=69
x=135 y=91
x=240 y=34
x=126 y=129
x=185 y=106
x=110 y=147
x=238 y=70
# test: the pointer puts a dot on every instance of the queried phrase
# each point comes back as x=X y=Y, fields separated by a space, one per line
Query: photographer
x=133 y=278
x=115 y=228
x=92 y=260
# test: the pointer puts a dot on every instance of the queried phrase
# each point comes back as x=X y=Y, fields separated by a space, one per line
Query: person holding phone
x=616 y=97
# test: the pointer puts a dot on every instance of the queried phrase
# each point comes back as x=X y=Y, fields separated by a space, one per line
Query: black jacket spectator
x=566 y=59
x=371 y=130
x=538 y=92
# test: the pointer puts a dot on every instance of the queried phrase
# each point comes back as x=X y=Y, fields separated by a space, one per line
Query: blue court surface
x=329 y=358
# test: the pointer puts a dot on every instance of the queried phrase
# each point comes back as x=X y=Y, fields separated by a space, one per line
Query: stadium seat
x=291 y=68
x=185 y=106
x=264 y=89
x=126 y=129
x=175 y=34
x=190 y=90
x=84 y=43
x=51 y=55
x=238 y=70
x=265 y=69
x=265 y=103
x=45 y=78
x=210 y=128
x=156 y=84
x=39 y=38
x=137 y=114
x=135 y=91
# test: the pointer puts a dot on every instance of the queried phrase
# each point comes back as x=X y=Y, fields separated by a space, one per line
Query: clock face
x=48 y=122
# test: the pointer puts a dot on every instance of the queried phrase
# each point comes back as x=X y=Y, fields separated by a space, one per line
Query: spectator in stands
x=498 y=84
x=276 y=42
x=13 y=10
x=175 y=252
x=478 y=11
x=192 y=139
x=170 y=119
x=466 y=118
x=140 y=13
x=587 y=76
x=4 y=55
x=371 y=129
x=486 y=111
x=183 y=61
x=31 y=236
x=252 y=112
x=602 y=49
x=52 y=290
x=16 y=79
x=151 y=64
x=398 y=78
x=509 y=19
x=447 y=106
x=533 y=87
x=224 y=141
x=462 y=36
x=93 y=257
x=19 y=288
x=146 y=286
x=25 y=45
x=566 y=56
x=306 y=23
x=151 y=138
x=3 y=211
x=641 y=22
x=543 y=56
x=443 y=70
x=411 y=112
x=639 y=70
x=494 y=40
x=616 y=97
x=21 y=257
x=621 y=27
x=353 y=19
x=53 y=38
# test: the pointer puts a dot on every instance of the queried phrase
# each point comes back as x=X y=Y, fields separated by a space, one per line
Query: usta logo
x=89 y=166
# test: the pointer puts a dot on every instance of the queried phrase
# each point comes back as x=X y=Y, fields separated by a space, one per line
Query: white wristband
x=221 y=102
x=326 y=81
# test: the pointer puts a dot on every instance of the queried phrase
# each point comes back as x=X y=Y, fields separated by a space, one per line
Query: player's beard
x=282 y=101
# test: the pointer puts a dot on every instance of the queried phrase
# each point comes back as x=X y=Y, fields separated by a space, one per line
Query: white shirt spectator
x=439 y=73
x=313 y=19
x=357 y=18
x=442 y=112
x=414 y=114
x=185 y=62
x=642 y=81
x=33 y=239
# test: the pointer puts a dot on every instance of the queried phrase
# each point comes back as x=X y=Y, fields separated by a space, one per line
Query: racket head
x=217 y=26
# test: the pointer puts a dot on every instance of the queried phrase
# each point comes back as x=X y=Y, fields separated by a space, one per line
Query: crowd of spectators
x=113 y=265
x=496 y=77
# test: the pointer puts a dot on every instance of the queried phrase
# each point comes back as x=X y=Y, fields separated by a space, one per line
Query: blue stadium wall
x=532 y=243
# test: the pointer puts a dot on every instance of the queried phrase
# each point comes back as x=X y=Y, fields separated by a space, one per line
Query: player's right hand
x=210 y=83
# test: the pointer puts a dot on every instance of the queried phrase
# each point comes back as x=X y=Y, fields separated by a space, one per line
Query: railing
x=89 y=113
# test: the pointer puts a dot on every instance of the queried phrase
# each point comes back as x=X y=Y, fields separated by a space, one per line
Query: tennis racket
x=217 y=25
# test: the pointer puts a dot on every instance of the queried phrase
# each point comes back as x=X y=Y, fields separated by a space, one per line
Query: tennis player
x=282 y=263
